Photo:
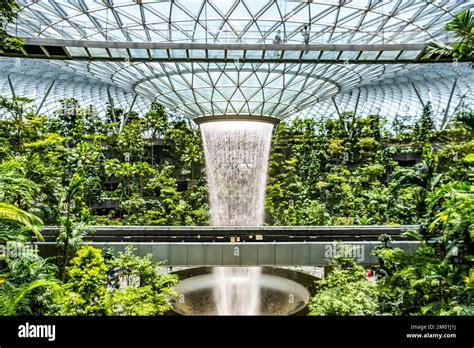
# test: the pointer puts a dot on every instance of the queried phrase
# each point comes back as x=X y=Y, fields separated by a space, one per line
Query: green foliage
x=421 y=179
x=452 y=207
x=80 y=168
x=185 y=148
x=316 y=213
x=86 y=284
x=23 y=267
x=410 y=284
x=332 y=172
x=462 y=26
x=436 y=279
x=142 y=289
x=424 y=128
x=55 y=167
x=8 y=12
x=169 y=208
x=32 y=223
x=136 y=301
x=70 y=234
x=130 y=141
x=156 y=120
x=467 y=119
x=11 y=296
x=341 y=164
x=14 y=186
x=345 y=291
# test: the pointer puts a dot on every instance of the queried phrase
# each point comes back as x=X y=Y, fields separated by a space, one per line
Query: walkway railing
x=197 y=34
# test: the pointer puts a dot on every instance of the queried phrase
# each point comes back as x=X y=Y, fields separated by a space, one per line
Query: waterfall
x=236 y=154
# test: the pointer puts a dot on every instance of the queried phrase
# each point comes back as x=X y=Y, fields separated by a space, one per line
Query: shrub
x=143 y=288
x=86 y=284
x=346 y=291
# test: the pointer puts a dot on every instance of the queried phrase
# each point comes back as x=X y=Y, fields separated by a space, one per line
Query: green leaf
x=469 y=158
x=31 y=222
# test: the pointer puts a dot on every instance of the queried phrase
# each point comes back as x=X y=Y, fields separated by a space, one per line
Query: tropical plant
x=345 y=291
x=23 y=266
x=11 y=296
x=86 y=284
x=462 y=27
x=130 y=141
x=421 y=179
x=15 y=187
x=156 y=121
x=441 y=268
x=424 y=127
x=68 y=230
x=144 y=289
x=453 y=213
x=8 y=12
x=169 y=208
x=32 y=223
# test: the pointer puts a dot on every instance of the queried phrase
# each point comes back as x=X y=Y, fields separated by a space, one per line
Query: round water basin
x=278 y=295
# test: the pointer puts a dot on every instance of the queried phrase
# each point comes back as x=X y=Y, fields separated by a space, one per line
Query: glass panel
x=254 y=106
x=207 y=92
x=197 y=54
x=155 y=53
x=351 y=55
x=369 y=55
x=139 y=53
x=221 y=105
x=118 y=52
x=216 y=54
x=311 y=55
x=77 y=51
x=409 y=55
x=233 y=54
x=389 y=55
x=292 y=54
x=174 y=53
x=253 y=55
x=272 y=54
x=98 y=52
x=329 y=55
x=249 y=91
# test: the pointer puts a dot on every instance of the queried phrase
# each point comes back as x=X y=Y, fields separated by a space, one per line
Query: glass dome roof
x=260 y=88
x=447 y=88
x=237 y=21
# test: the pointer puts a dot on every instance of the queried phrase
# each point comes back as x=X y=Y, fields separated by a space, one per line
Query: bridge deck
x=275 y=254
x=237 y=234
x=183 y=246
x=41 y=48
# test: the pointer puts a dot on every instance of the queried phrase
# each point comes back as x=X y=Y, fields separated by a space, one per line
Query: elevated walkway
x=394 y=53
x=275 y=246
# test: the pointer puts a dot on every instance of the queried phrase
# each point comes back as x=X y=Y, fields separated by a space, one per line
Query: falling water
x=237 y=290
x=236 y=165
x=236 y=162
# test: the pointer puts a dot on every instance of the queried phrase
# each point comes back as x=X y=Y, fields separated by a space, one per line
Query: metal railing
x=188 y=33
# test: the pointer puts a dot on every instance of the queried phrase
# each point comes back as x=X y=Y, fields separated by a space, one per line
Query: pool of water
x=278 y=295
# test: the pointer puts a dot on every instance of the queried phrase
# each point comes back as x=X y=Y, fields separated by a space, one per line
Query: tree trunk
x=67 y=229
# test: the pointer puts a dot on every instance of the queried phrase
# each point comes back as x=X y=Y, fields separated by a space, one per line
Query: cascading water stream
x=236 y=154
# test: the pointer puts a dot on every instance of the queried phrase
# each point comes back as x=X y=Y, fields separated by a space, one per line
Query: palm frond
x=31 y=222
x=461 y=25
x=75 y=185
x=10 y=297
x=415 y=235
x=437 y=48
